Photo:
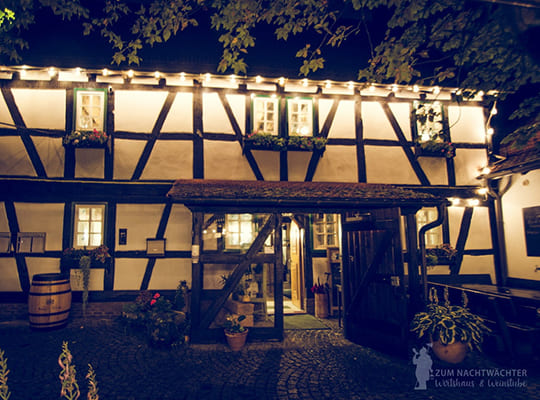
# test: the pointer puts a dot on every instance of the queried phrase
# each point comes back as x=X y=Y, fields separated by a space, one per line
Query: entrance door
x=297 y=276
x=374 y=297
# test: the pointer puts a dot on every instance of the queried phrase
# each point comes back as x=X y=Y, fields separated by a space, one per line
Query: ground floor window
x=89 y=226
x=325 y=231
x=434 y=236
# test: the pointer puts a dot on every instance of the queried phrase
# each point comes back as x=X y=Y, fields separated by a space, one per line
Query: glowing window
x=265 y=115
x=423 y=217
x=90 y=106
x=239 y=231
x=89 y=225
x=325 y=230
x=300 y=116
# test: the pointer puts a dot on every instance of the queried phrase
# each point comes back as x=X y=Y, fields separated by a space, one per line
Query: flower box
x=264 y=141
x=432 y=148
x=86 y=139
x=99 y=258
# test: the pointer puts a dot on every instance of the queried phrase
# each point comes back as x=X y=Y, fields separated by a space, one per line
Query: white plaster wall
x=343 y=125
x=214 y=117
x=90 y=163
x=320 y=266
x=435 y=169
x=169 y=272
x=212 y=275
x=51 y=152
x=180 y=117
x=238 y=107
x=479 y=232
x=376 y=124
x=170 y=159
x=42 y=217
x=137 y=110
x=324 y=108
x=178 y=232
x=402 y=112
x=14 y=159
x=5 y=116
x=467 y=124
x=4 y=226
x=338 y=164
x=129 y=273
x=524 y=192
x=468 y=163
x=96 y=279
x=37 y=265
x=141 y=221
x=478 y=265
x=224 y=160
x=10 y=276
x=44 y=108
x=126 y=155
x=388 y=165
x=298 y=162
x=268 y=163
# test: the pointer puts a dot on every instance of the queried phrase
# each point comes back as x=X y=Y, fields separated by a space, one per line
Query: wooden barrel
x=321 y=305
x=49 y=301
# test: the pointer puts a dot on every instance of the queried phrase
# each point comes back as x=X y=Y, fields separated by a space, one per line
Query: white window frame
x=434 y=236
x=98 y=100
x=430 y=130
x=320 y=230
x=302 y=109
x=91 y=230
x=264 y=119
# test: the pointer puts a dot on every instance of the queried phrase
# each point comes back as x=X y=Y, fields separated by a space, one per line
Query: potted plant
x=88 y=139
x=321 y=299
x=235 y=332
x=443 y=254
x=452 y=330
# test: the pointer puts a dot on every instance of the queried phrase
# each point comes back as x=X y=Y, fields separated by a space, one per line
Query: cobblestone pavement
x=308 y=364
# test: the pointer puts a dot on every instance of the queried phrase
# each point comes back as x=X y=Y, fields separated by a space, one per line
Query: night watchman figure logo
x=423 y=363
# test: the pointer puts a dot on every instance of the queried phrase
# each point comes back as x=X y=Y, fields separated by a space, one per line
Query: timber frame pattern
x=43 y=188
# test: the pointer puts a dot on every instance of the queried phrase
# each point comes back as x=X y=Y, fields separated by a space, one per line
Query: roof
x=307 y=196
x=518 y=160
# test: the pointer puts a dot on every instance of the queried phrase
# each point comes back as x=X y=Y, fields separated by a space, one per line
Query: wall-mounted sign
x=531 y=221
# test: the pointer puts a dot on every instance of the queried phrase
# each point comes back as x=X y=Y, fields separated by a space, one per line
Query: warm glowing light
x=327 y=84
x=305 y=82
x=436 y=90
x=233 y=79
x=372 y=87
x=157 y=75
x=394 y=88
x=52 y=72
x=273 y=95
x=78 y=71
x=252 y=95
x=481 y=93
x=455 y=201
x=258 y=79
x=473 y=202
x=482 y=191
x=494 y=111
x=130 y=73
x=458 y=92
x=490 y=131
x=425 y=137
x=182 y=76
x=350 y=85
x=485 y=170
x=207 y=77
x=105 y=72
x=281 y=81
x=415 y=89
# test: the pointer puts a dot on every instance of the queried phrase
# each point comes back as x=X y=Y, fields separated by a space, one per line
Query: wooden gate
x=374 y=296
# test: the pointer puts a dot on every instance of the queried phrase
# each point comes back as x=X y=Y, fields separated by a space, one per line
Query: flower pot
x=236 y=340
x=321 y=305
x=453 y=353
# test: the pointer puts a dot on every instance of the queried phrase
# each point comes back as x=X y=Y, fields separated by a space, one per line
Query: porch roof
x=307 y=196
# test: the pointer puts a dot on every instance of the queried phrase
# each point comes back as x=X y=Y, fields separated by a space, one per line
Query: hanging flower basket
x=86 y=139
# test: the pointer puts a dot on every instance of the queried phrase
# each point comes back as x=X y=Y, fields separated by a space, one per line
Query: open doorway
x=293 y=279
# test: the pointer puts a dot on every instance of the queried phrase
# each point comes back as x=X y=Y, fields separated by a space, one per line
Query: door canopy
x=296 y=196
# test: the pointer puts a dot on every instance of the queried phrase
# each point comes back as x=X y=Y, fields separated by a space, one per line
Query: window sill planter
x=260 y=141
x=99 y=258
x=86 y=139
x=432 y=148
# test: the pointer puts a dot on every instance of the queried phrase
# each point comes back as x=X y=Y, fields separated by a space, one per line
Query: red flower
x=157 y=296
x=152 y=302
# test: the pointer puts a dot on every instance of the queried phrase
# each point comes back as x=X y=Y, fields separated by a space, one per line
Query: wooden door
x=296 y=265
x=375 y=303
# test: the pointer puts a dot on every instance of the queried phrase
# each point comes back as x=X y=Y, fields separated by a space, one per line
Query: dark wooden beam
x=110 y=241
x=20 y=260
x=422 y=177
x=156 y=132
x=230 y=116
x=462 y=239
x=359 y=139
x=198 y=129
x=25 y=137
x=165 y=215
x=317 y=154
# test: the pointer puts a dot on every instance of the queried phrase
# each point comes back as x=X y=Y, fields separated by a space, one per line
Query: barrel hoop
x=49 y=324
x=49 y=313
x=49 y=277
x=48 y=283
x=49 y=293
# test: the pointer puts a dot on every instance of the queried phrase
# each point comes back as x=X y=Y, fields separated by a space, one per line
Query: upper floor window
x=434 y=236
x=300 y=116
x=265 y=115
x=89 y=225
x=325 y=231
x=90 y=107
x=429 y=121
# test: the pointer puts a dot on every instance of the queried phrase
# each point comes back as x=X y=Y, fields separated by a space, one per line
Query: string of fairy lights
x=188 y=79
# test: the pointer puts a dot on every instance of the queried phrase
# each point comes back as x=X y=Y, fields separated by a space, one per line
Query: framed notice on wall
x=531 y=222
